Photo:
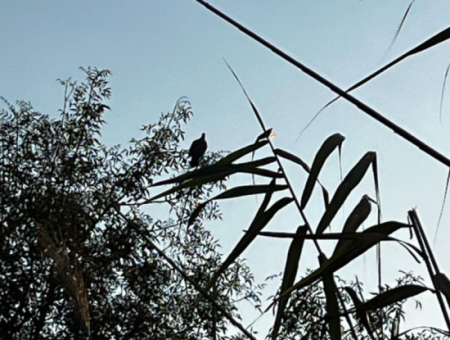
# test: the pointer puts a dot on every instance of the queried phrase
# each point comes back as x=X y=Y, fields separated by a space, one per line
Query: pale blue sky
x=159 y=51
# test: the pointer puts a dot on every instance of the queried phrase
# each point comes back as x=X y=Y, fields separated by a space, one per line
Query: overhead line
x=362 y=106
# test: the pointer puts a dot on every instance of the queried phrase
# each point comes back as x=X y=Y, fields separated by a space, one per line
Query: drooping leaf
x=391 y=296
x=330 y=144
x=237 y=192
x=433 y=41
x=347 y=185
x=443 y=92
x=266 y=134
x=261 y=219
x=356 y=218
x=377 y=187
x=222 y=172
x=349 y=251
x=444 y=286
x=293 y=158
x=442 y=206
x=395 y=326
x=400 y=26
x=290 y=272
x=228 y=159
x=329 y=286
x=363 y=316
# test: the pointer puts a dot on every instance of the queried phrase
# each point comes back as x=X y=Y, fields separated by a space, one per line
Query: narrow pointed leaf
x=290 y=272
x=347 y=185
x=222 y=172
x=444 y=286
x=391 y=296
x=330 y=144
x=347 y=253
x=266 y=134
x=228 y=159
x=356 y=218
x=377 y=186
x=329 y=286
x=433 y=41
x=260 y=221
x=363 y=316
x=293 y=158
x=237 y=192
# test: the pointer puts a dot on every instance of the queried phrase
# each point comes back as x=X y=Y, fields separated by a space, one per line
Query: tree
x=81 y=258
x=76 y=246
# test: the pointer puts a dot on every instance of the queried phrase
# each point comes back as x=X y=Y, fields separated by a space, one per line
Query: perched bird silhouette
x=197 y=150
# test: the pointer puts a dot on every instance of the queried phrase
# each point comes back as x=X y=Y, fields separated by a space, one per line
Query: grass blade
x=347 y=253
x=260 y=221
x=330 y=144
x=237 y=192
x=290 y=272
x=442 y=92
x=347 y=185
x=334 y=321
x=242 y=152
x=444 y=286
x=356 y=218
x=391 y=296
x=295 y=159
x=431 y=42
x=363 y=316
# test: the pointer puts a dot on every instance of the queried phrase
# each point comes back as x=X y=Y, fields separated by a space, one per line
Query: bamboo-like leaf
x=293 y=158
x=349 y=251
x=444 y=286
x=443 y=92
x=266 y=134
x=290 y=272
x=215 y=169
x=228 y=159
x=330 y=144
x=391 y=296
x=433 y=41
x=260 y=221
x=377 y=186
x=329 y=286
x=363 y=316
x=237 y=192
x=347 y=185
x=356 y=218
x=395 y=326
x=402 y=22
x=442 y=206
x=223 y=171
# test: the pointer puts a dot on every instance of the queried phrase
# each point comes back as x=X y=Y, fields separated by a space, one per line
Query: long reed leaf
x=348 y=252
x=290 y=272
x=330 y=144
x=260 y=221
x=347 y=185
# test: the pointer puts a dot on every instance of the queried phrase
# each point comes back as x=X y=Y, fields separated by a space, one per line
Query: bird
x=197 y=150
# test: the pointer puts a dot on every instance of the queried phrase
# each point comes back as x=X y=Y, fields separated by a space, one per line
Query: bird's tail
x=194 y=162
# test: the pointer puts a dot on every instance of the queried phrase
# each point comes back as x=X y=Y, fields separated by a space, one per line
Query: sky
x=160 y=51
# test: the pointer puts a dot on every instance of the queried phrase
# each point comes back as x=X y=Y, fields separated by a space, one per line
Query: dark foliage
x=70 y=264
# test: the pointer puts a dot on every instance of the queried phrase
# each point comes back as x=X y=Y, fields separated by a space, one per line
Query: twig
x=186 y=278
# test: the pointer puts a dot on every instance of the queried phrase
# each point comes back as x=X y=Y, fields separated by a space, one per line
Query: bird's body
x=197 y=150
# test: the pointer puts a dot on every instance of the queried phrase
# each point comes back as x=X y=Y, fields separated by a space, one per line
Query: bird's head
x=203 y=135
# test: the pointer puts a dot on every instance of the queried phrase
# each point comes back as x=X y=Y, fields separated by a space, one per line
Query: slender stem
x=187 y=278
x=297 y=203
x=430 y=261
x=362 y=106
